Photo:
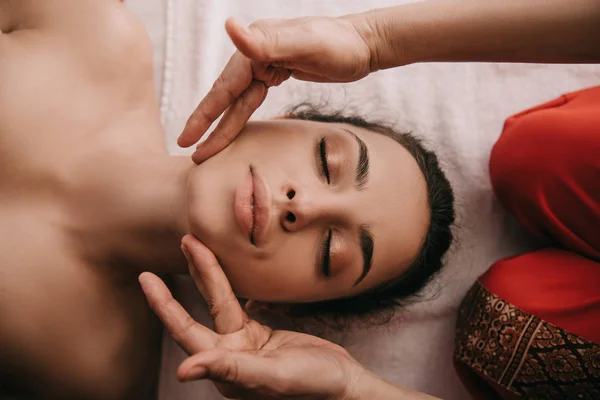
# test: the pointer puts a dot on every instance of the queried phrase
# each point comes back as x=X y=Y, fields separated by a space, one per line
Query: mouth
x=252 y=207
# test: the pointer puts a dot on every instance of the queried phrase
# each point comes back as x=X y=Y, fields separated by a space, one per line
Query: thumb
x=275 y=40
x=243 y=369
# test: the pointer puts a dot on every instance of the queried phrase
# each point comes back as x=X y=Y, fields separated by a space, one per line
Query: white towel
x=458 y=108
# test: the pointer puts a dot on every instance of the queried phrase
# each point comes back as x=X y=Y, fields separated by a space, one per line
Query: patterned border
x=524 y=354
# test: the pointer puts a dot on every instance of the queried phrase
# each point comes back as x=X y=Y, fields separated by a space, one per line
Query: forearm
x=372 y=387
x=551 y=31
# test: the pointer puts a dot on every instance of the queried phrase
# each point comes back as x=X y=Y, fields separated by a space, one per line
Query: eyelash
x=323 y=159
x=326 y=253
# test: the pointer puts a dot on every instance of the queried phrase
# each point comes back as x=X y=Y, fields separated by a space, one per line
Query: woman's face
x=301 y=211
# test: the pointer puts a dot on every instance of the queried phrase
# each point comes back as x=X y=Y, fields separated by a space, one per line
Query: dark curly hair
x=380 y=302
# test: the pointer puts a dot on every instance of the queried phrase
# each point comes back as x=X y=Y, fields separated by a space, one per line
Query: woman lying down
x=329 y=213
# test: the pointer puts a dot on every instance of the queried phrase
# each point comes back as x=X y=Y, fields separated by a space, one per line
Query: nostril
x=290 y=217
x=291 y=194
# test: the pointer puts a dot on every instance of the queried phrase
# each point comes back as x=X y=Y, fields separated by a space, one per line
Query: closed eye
x=326 y=254
x=323 y=159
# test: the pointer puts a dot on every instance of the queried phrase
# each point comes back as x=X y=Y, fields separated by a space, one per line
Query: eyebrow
x=365 y=238
x=362 y=168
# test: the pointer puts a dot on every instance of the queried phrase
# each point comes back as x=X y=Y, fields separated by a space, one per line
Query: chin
x=210 y=211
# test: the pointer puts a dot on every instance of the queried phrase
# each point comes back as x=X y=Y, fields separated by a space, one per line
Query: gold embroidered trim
x=524 y=354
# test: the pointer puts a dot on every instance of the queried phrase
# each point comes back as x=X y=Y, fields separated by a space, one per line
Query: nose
x=301 y=208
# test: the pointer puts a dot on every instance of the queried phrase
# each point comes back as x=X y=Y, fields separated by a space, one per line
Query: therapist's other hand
x=244 y=358
x=318 y=49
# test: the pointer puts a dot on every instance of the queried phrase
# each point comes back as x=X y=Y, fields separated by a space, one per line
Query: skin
x=249 y=360
x=69 y=96
x=85 y=181
x=89 y=199
x=287 y=265
x=346 y=49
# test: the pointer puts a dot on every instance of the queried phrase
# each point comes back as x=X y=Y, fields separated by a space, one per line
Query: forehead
x=394 y=205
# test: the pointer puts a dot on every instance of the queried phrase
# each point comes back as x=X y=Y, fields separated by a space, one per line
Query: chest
x=69 y=91
x=67 y=325
x=72 y=85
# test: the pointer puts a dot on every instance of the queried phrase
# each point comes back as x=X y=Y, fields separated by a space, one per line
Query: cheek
x=286 y=275
x=205 y=207
x=273 y=148
x=210 y=196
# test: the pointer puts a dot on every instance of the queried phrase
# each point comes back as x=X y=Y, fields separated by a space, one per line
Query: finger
x=233 y=81
x=243 y=369
x=271 y=75
x=191 y=336
x=307 y=76
x=210 y=279
x=232 y=122
x=275 y=41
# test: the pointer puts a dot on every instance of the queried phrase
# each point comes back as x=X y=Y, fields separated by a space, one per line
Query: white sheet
x=459 y=108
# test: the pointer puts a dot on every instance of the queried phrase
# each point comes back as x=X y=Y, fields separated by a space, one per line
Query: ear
x=253 y=306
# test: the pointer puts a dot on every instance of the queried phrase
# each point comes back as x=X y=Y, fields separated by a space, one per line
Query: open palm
x=243 y=357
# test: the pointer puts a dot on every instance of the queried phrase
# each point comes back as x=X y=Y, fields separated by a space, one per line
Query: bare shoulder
x=107 y=24
x=89 y=43
x=55 y=14
x=67 y=331
x=68 y=69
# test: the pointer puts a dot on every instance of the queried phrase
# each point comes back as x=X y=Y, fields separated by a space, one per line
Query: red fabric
x=545 y=169
x=558 y=286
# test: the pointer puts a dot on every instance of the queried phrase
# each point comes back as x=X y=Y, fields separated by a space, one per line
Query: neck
x=141 y=221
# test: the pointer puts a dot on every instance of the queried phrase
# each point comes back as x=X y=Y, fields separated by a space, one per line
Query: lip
x=253 y=221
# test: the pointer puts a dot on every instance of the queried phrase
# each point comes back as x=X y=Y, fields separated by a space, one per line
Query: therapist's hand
x=318 y=49
x=244 y=358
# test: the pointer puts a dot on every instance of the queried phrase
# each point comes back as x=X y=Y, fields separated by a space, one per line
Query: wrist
x=388 y=33
x=366 y=385
x=371 y=28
